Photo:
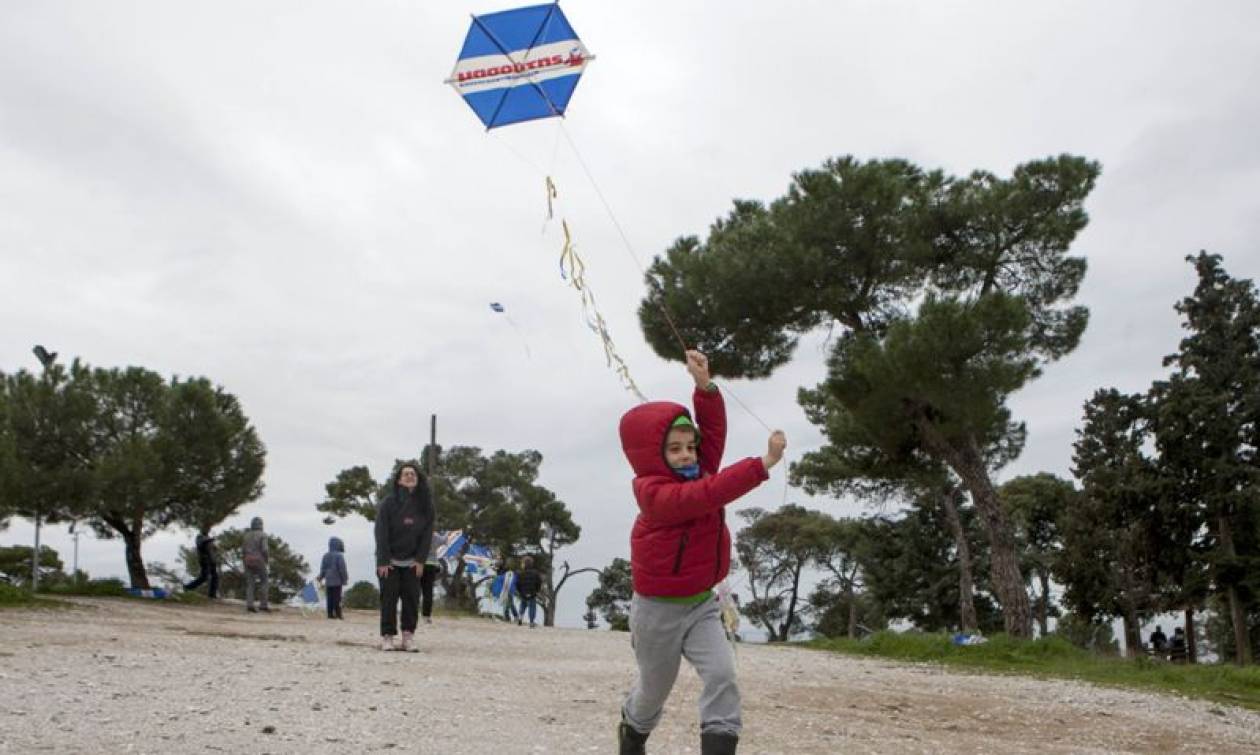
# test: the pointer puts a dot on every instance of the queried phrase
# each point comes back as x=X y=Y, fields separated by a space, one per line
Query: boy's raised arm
x=710 y=413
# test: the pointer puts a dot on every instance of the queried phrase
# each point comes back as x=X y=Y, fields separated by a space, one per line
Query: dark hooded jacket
x=404 y=523
x=529 y=582
x=680 y=545
x=205 y=551
x=333 y=568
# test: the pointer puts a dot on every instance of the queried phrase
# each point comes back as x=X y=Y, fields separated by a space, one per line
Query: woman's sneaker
x=387 y=642
x=409 y=643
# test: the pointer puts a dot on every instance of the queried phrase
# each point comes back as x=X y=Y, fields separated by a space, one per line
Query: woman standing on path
x=404 y=532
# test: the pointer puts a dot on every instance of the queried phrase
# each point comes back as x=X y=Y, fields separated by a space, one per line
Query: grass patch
x=12 y=596
x=1056 y=658
x=93 y=588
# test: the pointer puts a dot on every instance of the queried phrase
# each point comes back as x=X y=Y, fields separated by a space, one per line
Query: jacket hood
x=643 y=431
x=255 y=523
x=335 y=544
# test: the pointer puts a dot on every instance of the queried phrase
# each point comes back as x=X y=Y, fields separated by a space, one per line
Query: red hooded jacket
x=680 y=545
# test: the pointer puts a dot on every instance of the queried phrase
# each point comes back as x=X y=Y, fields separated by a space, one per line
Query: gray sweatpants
x=664 y=633
x=255 y=576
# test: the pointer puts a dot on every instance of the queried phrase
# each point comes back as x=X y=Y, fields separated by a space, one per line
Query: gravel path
x=116 y=676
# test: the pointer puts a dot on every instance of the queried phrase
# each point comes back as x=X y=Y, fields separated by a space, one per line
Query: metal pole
x=75 y=532
x=46 y=360
x=432 y=445
x=35 y=557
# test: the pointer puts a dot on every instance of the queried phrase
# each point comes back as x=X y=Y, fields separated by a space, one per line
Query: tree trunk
x=966 y=599
x=785 y=629
x=1192 y=647
x=966 y=460
x=553 y=594
x=1043 y=608
x=130 y=532
x=1242 y=644
x=135 y=564
x=848 y=593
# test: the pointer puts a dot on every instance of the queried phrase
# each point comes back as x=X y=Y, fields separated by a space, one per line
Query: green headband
x=684 y=421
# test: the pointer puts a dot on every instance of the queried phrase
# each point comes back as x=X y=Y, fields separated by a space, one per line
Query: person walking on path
x=333 y=574
x=404 y=534
x=527 y=587
x=208 y=561
x=432 y=568
x=255 y=555
x=680 y=549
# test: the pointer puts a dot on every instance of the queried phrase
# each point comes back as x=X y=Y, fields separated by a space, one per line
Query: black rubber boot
x=713 y=743
x=630 y=741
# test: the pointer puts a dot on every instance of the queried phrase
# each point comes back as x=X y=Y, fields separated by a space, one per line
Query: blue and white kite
x=519 y=65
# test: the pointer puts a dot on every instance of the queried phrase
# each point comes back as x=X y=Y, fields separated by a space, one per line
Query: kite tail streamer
x=573 y=270
x=730 y=615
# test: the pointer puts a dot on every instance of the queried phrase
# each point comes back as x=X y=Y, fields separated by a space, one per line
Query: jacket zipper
x=717 y=562
x=682 y=545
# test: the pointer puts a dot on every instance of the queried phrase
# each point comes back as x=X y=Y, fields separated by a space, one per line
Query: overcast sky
x=285 y=198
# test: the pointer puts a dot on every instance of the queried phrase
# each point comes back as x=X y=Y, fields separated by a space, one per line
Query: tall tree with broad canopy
x=951 y=292
x=839 y=558
x=775 y=550
x=127 y=452
x=1111 y=536
x=46 y=444
x=180 y=453
x=1208 y=435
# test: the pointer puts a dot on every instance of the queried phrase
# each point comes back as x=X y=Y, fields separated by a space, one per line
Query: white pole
x=35 y=558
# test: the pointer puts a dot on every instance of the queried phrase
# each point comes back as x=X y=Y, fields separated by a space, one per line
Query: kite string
x=625 y=240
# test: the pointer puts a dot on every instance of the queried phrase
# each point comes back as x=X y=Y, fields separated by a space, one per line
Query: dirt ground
x=115 y=676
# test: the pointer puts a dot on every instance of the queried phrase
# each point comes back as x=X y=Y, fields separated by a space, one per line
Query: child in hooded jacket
x=333 y=575
x=680 y=548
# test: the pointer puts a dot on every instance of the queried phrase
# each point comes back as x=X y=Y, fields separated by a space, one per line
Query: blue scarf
x=689 y=472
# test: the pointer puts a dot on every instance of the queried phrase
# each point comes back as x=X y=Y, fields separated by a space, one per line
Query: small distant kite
x=519 y=65
x=499 y=308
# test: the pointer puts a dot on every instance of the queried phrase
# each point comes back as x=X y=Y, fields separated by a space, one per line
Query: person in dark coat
x=527 y=586
x=208 y=561
x=333 y=574
x=404 y=534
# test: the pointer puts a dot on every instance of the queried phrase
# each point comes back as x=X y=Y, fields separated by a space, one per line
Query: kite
x=519 y=65
x=478 y=559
